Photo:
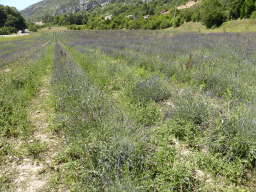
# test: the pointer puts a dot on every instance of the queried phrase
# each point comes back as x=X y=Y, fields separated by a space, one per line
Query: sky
x=19 y=4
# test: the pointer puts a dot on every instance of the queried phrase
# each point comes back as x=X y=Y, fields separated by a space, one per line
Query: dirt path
x=16 y=35
x=42 y=146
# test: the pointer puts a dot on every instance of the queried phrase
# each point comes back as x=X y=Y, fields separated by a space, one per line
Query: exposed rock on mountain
x=55 y=7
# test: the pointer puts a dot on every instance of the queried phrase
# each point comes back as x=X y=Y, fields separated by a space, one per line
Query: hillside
x=36 y=11
x=55 y=7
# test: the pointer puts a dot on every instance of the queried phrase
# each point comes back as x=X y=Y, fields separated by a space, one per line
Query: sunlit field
x=135 y=110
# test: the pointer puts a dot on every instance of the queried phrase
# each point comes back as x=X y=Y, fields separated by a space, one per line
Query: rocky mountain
x=36 y=11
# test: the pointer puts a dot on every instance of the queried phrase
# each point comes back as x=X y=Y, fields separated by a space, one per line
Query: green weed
x=35 y=148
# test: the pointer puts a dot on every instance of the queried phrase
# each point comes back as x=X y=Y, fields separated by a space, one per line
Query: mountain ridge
x=36 y=11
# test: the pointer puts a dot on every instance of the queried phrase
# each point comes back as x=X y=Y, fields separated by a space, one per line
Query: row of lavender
x=219 y=63
x=17 y=86
x=98 y=135
x=13 y=50
x=219 y=66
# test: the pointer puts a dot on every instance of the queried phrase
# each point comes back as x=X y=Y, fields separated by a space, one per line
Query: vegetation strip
x=138 y=112
x=22 y=160
x=198 y=119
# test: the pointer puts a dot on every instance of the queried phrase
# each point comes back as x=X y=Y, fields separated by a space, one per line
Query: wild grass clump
x=153 y=89
x=5 y=148
x=36 y=148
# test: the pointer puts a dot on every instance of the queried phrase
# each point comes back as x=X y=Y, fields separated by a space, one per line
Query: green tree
x=56 y=20
x=62 y=20
x=70 y=18
x=47 y=19
x=235 y=10
x=242 y=11
x=9 y=16
x=78 y=19
x=11 y=21
x=247 y=8
x=32 y=27
x=3 y=16
x=212 y=13
x=85 y=20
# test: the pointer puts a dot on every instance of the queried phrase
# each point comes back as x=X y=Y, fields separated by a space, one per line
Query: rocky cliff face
x=55 y=7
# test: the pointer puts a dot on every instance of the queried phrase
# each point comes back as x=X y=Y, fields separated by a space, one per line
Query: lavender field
x=134 y=110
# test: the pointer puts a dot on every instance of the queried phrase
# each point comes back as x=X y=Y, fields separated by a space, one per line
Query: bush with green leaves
x=32 y=27
x=211 y=13
x=7 y=30
x=165 y=24
x=11 y=17
x=247 y=8
x=253 y=17
x=235 y=10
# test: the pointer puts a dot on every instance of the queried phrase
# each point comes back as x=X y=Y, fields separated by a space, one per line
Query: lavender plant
x=101 y=138
x=153 y=89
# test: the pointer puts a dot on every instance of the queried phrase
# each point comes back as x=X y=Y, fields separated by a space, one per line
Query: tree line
x=211 y=13
x=12 y=21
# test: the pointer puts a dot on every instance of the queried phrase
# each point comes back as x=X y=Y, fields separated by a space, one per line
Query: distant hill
x=36 y=11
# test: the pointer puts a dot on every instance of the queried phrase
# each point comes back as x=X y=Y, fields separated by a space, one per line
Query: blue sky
x=19 y=4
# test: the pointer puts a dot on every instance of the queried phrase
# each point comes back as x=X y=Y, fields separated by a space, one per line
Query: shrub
x=154 y=24
x=187 y=14
x=165 y=24
x=70 y=27
x=212 y=13
x=196 y=17
x=235 y=10
x=177 y=22
x=32 y=28
x=7 y=30
x=155 y=88
x=193 y=109
x=84 y=21
x=253 y=17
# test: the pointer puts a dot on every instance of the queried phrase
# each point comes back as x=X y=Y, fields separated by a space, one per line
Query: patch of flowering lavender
x=237 y=126
x=220 y=62
x=197 y=110
x=23 y=48
x=104 y=138
x=152 y=89
x=221 y=65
